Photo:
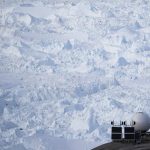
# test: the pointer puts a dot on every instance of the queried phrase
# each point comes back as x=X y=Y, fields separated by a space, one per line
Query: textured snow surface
x=67 y=68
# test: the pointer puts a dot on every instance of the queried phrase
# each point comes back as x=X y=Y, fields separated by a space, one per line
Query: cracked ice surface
x=67 y=68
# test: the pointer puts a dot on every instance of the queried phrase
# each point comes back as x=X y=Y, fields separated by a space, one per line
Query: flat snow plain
x=67 y=68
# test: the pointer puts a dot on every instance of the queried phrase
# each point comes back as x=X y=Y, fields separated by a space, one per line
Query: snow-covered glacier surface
x=67 y=68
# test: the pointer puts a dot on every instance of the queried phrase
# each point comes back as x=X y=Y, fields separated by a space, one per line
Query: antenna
x=112 y=122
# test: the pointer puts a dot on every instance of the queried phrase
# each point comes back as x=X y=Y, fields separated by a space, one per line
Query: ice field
x=67 y=68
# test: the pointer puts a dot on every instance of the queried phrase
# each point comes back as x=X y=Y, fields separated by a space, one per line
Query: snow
x=67 y=68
